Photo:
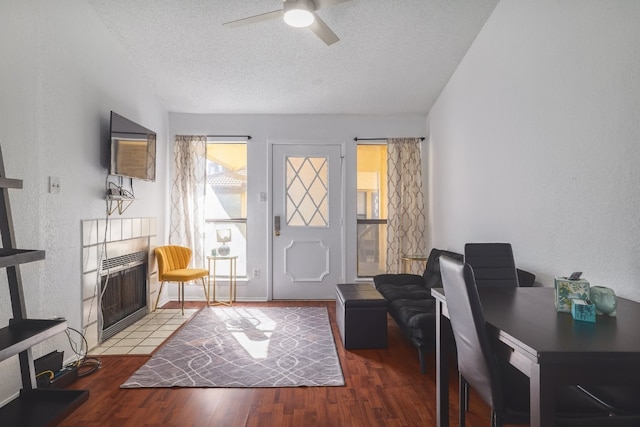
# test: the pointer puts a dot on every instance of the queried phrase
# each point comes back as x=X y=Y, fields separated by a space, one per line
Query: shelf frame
x=33 y=407
x=42 y=407
x=23 y=334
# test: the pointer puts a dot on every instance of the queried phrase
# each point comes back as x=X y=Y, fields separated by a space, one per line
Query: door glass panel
x=306 y=192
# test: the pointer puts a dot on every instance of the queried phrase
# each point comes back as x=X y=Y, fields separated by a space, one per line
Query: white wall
x=60 y=75
x=536 y=141
x=265 y=128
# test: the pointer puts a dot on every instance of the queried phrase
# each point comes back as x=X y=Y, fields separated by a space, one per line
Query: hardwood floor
x=383 y=388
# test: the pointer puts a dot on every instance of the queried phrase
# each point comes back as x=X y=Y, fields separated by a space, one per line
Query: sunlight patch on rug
x=246 y=347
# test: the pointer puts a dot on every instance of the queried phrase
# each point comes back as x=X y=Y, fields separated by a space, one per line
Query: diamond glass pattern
x=307 y=190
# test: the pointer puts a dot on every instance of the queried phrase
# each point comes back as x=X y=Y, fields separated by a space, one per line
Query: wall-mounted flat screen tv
x=133 y=149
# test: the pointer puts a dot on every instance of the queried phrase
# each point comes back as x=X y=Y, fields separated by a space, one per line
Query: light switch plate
x=54 y=184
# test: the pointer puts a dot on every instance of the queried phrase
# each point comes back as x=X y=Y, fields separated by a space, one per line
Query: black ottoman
x=361 y=314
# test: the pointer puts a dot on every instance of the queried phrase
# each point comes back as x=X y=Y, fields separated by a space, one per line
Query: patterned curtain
x=187 y=195
x=406 y=217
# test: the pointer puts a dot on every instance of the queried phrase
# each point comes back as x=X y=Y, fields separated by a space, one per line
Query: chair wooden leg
x=158 y=297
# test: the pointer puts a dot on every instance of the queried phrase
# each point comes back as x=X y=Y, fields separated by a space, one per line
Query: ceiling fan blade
x=324 y=4
x=254 y=19
x=322 y=30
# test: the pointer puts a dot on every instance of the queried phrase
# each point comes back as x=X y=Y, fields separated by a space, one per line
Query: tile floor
x=144 y=336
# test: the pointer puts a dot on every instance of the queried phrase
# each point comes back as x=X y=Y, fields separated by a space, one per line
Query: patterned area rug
x=246 y=347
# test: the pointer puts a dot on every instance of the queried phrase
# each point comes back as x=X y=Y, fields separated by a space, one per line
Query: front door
x=307 y=220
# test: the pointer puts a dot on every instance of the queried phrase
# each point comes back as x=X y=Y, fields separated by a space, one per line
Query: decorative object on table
x=223 y=235
x=568 y=288
x=582 y=310
x=214 y=252
x=604 y=300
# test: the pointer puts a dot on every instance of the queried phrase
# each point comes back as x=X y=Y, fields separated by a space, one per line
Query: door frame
x=270 y=223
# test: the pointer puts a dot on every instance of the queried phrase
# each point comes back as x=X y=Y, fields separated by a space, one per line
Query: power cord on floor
x=89 y=366
x=85 y=365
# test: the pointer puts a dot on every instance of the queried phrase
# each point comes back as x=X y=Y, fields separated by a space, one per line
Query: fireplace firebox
x=123 y=292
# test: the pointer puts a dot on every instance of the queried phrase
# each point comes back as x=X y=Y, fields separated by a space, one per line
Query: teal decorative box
x=566 y=290
x=583 y=310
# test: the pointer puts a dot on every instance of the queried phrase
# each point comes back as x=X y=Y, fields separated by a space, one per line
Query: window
x=226 y=203
x=371 y=209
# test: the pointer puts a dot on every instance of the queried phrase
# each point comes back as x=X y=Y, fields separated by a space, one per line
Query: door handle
x=276 y=223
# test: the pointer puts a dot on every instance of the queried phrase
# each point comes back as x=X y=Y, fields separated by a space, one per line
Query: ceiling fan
x=299 y=14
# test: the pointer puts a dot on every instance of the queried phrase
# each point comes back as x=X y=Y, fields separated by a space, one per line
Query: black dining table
x=550 y=347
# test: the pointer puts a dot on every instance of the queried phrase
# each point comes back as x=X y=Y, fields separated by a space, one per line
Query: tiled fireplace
x=119 y=278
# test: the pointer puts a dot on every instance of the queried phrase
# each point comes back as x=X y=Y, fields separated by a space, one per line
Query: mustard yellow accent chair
x=173 y=263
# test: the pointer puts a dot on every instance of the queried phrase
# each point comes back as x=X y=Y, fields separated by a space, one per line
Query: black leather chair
x=501 y=386
x=492 y=263
x=494 y=266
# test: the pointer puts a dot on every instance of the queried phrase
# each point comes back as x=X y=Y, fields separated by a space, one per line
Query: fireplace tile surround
x=104 y=239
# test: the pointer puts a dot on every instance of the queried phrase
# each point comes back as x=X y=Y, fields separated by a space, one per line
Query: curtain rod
x=229 y=136
x=356 y=139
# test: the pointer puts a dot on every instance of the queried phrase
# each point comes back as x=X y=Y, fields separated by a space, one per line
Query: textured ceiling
x=393 y=57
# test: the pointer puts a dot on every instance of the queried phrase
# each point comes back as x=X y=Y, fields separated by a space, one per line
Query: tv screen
x=133 y=149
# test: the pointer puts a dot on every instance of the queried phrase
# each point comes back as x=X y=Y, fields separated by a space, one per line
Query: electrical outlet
x=256 y=272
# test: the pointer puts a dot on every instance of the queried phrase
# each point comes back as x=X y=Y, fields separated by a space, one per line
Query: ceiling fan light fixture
x=299 y=13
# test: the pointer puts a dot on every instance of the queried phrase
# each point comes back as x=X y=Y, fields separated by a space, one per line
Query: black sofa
x=412 y=306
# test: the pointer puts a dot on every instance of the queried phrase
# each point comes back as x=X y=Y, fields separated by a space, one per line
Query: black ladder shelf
x=33 y=407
